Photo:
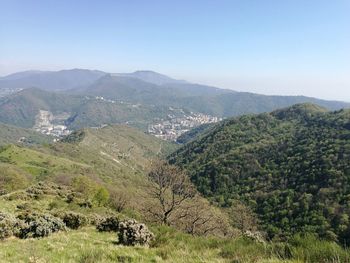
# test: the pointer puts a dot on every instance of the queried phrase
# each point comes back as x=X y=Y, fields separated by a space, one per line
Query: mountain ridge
x=292 y=169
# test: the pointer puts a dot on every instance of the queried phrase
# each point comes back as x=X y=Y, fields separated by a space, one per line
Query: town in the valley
x=172 y=127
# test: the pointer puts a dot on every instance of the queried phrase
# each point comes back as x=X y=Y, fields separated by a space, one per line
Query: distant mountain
x=21 y=109
x=51 y=80
x=153 y=93
x=292 y=166
x=195 y=97
x=135 y=90
x=151 y=77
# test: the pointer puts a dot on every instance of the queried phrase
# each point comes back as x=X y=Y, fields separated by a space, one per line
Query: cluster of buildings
x=104 y=99
x=47 y=123
x=7 y=91
x=171 y=128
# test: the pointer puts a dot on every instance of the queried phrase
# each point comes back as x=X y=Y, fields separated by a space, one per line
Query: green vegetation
x=20 y=109
x=195 y=97
x=12 y=134
x=77 y=200
x=290 y=166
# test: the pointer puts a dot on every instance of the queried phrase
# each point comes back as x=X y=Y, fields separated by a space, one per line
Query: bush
x=40 y=225
x=95 y=219
x=18 y=196
x=85 y=204
x=254 y=236
x=74 y=220
x=108 y=224
x=132 y=233
x=8 y=225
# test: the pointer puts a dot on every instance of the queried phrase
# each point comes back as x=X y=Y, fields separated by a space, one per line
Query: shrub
x=132 y=233
x=254 y=236
x=118 y=201
x=95 y=219
x=102 y=196
x=108 y=224
x=74 y=220
x=85 y=204
x=18 y=196
x=40 y=225
x=8 y=225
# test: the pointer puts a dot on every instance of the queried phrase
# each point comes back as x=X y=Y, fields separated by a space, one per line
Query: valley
x=119 y=147
x=174 y=131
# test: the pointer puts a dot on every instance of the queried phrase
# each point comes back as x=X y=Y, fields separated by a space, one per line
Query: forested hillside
x=292 y=166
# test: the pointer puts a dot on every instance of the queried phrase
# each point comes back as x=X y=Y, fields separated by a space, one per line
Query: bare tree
x=242 y=217
x=118 y=200
x=199 y=218
x=170 y=187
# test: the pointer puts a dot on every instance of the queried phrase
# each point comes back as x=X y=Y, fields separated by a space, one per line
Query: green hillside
x=113 y=155
x=12 y=134
x=291 y=166
x=20 y=109
x=96 y=174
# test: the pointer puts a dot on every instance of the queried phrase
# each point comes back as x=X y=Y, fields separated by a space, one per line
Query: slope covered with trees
x=292 y=166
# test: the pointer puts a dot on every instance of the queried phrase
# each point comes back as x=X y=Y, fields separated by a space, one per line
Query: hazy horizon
x=273 y=48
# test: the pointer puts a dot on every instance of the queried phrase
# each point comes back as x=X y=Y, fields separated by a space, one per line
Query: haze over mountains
x=67 y=91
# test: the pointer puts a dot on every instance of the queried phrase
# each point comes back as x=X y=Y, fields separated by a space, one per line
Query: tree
x=170 y=187
x=242 y=217
x=102 y=195
x=199 y=218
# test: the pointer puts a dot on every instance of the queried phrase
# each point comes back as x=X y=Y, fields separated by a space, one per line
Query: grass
x=37 y=163
x=88 y=245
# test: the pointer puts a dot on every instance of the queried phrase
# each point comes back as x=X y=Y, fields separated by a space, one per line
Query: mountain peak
x=151 y=77
x=297 y=110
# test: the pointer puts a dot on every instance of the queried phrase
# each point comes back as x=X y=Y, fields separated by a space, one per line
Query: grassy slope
x=37 y=163
x=11 y=134
x=116 y=155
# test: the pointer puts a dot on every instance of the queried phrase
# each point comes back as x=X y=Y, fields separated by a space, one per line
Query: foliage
x=290 y=166
x=12 y=179
x=74 y=137
x=74 y=220
x=8 y=225
x=132 y=233
x=40 y=225
x=110 y=223
x=101 y=196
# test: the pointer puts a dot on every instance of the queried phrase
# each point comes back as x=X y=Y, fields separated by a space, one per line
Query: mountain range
x=93 y=98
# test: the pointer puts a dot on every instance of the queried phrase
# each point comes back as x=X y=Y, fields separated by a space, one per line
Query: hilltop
x=291 y=166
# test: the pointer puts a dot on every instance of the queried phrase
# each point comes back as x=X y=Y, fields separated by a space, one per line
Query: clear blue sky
x=265 y=46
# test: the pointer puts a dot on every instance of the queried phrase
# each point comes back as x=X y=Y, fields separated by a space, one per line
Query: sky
x=289 y=47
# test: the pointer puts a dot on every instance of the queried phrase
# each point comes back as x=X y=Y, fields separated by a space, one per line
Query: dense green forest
x=291 y=166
